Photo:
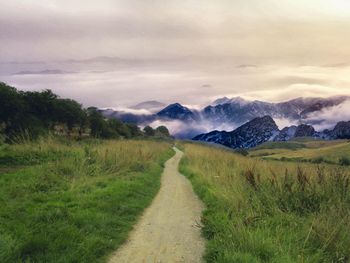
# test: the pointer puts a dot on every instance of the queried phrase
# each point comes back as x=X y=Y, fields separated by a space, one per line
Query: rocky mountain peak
x=249 y=135
x=176 y=111
x=341 y=130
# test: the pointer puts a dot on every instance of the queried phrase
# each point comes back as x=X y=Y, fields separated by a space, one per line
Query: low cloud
x=180 y=129
x=128 y=110
x=329 y=117
x=282 y=123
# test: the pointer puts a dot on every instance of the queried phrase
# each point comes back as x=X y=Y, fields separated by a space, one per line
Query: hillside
x=270 y=211
x=66 y=201
x=305 y=150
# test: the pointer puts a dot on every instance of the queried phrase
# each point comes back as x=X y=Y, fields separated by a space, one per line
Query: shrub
x=149 y=131
x=318 y=160
x=345 y=161
x=243 y=152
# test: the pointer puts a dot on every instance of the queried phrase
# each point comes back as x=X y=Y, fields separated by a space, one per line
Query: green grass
x=63 y=201
x=290 y=145
x=270 y=211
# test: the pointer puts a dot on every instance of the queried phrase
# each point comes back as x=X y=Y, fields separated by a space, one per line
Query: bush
x=243 y=152
x=345 y=161
x=318 y=160
x=149 y=131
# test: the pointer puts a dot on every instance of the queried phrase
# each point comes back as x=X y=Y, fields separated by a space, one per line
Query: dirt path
x=169 y=229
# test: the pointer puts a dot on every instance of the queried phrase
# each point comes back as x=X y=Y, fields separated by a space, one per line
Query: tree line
x=37 y=113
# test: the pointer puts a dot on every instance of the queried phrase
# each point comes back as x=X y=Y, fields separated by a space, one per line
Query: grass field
x=332 y=152
x=63 y=201
x=270 y=211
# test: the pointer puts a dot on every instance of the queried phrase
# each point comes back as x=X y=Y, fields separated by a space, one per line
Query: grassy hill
x=272 y=211
x=306 y=150
x=66 y=201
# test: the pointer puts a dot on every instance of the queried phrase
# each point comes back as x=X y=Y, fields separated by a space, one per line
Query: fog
x=329 y=117
x=123 y=84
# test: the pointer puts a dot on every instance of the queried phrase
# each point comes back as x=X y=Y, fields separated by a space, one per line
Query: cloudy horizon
x=118 y=53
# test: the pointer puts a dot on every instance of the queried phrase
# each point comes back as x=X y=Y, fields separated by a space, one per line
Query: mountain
x=222 y=100
x=227 y=113
x=340 y=131
x=320 y=104
x=44 y=72
x=177 y=112
x=286 y=134
x=226 y=100
x=262 y=129
x=251 y=134
x=151 y=105
x=238 y=110
x=304 y=130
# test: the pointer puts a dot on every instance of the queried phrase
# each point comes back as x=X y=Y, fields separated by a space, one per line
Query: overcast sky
x=114 y=52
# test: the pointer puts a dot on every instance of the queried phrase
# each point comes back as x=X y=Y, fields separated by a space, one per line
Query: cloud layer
x=329 y=117
x=186 y=51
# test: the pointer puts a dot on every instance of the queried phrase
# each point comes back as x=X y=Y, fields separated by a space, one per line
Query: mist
x=329 y=117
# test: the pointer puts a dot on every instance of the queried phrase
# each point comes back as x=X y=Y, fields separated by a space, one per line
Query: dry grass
x=270 y=211
x=311 y=151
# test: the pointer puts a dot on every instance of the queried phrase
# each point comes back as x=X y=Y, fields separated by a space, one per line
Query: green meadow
x=63 y=200
x=68 y=201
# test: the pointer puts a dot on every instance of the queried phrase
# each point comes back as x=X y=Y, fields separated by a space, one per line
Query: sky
x=112 y=53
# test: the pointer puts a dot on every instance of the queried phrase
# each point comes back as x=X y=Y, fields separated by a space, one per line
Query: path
x=169 y=229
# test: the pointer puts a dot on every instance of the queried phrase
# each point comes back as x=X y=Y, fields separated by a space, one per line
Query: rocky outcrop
x=304 y=130
x=251 y=134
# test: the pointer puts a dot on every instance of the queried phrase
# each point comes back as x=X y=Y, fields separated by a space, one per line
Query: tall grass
x=327 y=152
x=268 y=211
x=67 y=201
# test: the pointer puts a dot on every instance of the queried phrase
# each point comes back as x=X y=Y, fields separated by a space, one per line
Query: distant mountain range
x=263 y=129
x=44 y=72
x=239 y=110
x=152 y=106
x=225 y=112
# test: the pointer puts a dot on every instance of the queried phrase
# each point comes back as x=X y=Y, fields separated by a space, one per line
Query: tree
x=149 y=131
x=36 y=113
x=69 y=112
x=134 y=129
x=41 y=105
x=120 y=128
x=162 y=131
x=97 y=124
x=12 y=106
